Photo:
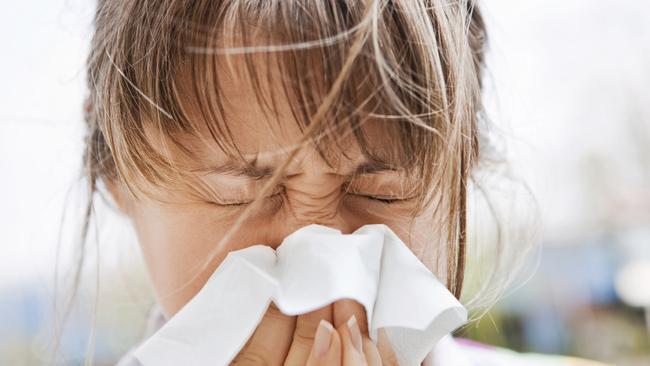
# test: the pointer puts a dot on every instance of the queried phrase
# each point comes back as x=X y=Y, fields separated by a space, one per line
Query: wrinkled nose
x=314 y=195
x=316 y=201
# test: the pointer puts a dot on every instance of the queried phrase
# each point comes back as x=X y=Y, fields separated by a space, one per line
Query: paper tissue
x=314 y=266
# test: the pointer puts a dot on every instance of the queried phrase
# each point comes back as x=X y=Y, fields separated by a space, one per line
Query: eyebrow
x=251 y=169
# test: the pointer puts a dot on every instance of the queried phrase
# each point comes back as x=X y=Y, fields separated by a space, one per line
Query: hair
x=413 y=65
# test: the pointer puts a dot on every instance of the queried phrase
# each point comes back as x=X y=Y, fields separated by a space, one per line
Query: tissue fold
x=314 y=266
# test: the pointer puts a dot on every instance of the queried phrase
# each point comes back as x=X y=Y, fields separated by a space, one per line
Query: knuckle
x=306 y=327
x=302 y=338
x=250 y=357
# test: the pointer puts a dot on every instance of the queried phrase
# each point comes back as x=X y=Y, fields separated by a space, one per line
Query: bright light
x=633 y=283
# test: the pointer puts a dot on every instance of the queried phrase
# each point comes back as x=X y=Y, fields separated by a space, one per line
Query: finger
x=373 y=357
x=326 y=348
x=344 y=309
x=386 y=352
x=352 y=343
x=303 y=335
x=270 y=342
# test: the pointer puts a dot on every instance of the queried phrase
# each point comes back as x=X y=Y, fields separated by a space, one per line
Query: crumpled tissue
x=314 y=266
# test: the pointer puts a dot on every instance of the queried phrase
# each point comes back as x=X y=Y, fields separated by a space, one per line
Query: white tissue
x=314 y=266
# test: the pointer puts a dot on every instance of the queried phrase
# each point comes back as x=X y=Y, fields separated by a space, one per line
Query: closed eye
x=276 y=197
x=386 y=200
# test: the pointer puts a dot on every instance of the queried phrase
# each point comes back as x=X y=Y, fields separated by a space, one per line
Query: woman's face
x=176 y=237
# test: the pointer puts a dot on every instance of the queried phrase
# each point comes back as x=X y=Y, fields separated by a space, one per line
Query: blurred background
x=567 y=87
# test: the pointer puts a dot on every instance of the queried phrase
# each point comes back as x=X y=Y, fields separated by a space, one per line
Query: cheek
x=426 y=238
x=422 y=234
x=176 y=242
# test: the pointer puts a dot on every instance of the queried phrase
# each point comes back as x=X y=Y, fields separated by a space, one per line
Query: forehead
x=256 y=112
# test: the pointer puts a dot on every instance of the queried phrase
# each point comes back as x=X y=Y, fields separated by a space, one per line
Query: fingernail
x=323 y=338
x=355 y=333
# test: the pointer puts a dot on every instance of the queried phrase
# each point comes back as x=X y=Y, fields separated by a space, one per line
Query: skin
x=177 y=236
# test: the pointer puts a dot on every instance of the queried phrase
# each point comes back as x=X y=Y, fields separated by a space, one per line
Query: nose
x=315 y=197
x=316 y=200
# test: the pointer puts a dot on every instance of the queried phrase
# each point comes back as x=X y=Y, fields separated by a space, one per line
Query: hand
x=321 y=337
x=349 y=343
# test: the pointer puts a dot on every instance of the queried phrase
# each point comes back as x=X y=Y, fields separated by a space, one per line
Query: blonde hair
x=413 y=64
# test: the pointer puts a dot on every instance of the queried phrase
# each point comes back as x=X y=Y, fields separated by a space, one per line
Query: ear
x=119 y=195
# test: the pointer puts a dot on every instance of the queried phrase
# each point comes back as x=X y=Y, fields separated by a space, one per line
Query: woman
x=219 y=125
